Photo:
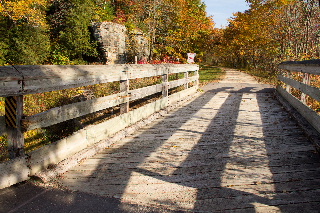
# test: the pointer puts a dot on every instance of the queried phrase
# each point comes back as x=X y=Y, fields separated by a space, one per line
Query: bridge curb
x=312 y=134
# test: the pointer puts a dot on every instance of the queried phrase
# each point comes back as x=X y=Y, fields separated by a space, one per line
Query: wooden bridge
x=230 y=147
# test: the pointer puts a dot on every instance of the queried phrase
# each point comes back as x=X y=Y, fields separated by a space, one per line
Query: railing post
x=124 y=87
x=306 y=80
x=165 y=88
x=186 y=76
x=288 y=87
x=13 y=116
x=197 y=81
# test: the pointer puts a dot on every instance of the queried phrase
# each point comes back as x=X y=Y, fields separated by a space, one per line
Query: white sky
x=221 y=10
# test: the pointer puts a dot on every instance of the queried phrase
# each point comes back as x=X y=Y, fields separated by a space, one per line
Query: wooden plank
x=67 y=112
x=124 y=88
x=310 y=66
x=44 y=78
x=13 y=116
x=310 y=115
x=165 y=85
x=314 y=92
x=186 y=76
x=13 y=171
x=178 y=68
x=145 y=91
x=181 y=95
x=176 y=83
x=144 y=70
x=2 y=126
x=306 y=81
x=10 y=81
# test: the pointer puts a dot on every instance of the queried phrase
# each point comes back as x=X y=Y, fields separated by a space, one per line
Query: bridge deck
x=231 y=148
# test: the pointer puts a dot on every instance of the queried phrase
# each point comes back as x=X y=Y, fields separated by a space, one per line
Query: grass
x=263 y=76
x=210 y=74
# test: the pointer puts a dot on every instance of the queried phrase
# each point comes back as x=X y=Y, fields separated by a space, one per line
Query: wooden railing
x=17 y=81
x=305 y=69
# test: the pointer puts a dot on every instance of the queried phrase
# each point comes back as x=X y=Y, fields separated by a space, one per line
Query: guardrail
x=17 y=81
x=304 y=69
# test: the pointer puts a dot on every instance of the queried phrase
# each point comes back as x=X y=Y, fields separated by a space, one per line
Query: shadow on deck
x=231 y=149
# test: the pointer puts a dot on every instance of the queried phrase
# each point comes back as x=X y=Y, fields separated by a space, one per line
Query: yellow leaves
x=30 y=10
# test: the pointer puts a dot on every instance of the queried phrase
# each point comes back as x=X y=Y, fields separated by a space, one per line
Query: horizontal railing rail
x=305 y=69
x=17 y=81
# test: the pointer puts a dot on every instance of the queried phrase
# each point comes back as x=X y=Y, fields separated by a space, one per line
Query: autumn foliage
x=59 y=31
x=270 y=32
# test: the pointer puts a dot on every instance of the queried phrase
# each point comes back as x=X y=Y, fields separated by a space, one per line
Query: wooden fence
x=304 y=69
x=17 y=81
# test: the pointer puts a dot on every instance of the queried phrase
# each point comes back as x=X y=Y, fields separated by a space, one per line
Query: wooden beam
x=313 y=92
x=310 y=115
x=186 y=76
x=165 y=85
x=13 y=116
x=10 y=81
x=124 y=88
x=177 y=83
x=306 y=81
x=71 y=111
x=145 y=91
x=29 y=79
x=310 y=66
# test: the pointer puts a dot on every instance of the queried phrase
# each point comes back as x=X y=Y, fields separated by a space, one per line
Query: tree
x=23 y=32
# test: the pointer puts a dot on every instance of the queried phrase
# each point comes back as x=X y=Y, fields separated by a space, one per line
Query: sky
x=221 y=10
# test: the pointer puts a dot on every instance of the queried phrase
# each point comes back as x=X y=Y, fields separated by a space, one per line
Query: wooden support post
x=306 y=80
x=197 y=81
x=186 y=76
x=13 y=116
x=124 y=87
x=288 y=87
x=165 y=88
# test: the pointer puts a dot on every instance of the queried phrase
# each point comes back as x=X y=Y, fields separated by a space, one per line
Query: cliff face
x=117 y=45
x=112 y=40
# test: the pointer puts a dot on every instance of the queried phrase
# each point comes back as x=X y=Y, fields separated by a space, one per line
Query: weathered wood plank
x=13 y=116
x=311 y=116
x=145 y=91
x=310 y=66
x=44 y=78
x=144 y=70
x=176 y=83
x=2 y=126
x=124 y=88
x=177 y=68
x=181 y=95
x=314 y=92
x=149 y=70
x=10 y=81
x=71 y=111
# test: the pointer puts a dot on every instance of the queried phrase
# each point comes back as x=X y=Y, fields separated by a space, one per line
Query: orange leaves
x=30 y=10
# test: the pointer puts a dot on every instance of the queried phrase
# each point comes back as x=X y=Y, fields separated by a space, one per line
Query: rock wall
x=112 y=39
x=117 y=45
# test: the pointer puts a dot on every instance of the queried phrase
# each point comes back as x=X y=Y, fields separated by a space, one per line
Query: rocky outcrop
x=112 y=40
